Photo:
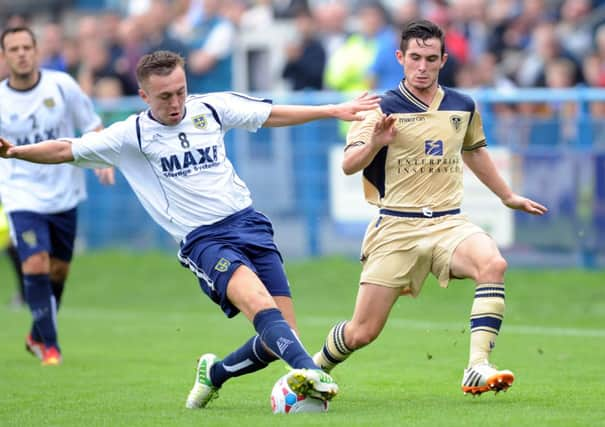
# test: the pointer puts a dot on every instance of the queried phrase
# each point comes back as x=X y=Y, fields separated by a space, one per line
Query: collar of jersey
x=29 y=88
x=415 y=100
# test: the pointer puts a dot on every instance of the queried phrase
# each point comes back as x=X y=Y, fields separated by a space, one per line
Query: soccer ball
x=286 y=401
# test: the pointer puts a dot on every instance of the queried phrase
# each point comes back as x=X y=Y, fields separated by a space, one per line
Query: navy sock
x=57 y=289
x=41 y=301
x=276 y=334
x=250 y=357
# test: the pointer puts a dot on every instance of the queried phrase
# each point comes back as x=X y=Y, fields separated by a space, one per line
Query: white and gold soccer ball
x=285 y=401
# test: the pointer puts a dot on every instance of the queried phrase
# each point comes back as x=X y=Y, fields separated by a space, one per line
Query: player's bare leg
x=478 y=258
x=371 y=312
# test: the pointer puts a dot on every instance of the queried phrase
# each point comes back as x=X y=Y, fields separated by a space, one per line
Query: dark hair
x=423 y=30
x=13 y=30
x=160 y=63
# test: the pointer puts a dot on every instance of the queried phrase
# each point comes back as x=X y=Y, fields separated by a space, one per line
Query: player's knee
x=38 y=263
x=493 y=269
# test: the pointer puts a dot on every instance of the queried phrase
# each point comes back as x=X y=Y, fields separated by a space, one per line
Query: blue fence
x=559 y=148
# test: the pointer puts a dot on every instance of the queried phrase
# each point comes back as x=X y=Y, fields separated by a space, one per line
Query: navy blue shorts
x=52 y=233
x=213 y=252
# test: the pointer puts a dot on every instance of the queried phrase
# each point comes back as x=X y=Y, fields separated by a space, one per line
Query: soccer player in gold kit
x=411 y=151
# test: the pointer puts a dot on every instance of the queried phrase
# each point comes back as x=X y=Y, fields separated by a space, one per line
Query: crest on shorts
x=30 y=238
x=49 y=102
x=199 y=121
x=222 y=265
x=456 y=122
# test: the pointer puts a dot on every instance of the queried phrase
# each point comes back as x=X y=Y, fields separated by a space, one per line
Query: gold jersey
x=422 y=168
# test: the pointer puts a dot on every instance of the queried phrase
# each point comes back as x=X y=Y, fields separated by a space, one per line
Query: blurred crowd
x=338 y=45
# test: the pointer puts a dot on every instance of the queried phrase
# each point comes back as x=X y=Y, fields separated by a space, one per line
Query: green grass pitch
x=132 y=327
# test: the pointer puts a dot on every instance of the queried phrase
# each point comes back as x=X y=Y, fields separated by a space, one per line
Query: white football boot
x=484 y=377
x=203 y=391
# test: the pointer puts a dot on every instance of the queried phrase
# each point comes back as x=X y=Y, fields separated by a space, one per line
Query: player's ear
x=443 y=60
x=399 y=55
x=143 y=95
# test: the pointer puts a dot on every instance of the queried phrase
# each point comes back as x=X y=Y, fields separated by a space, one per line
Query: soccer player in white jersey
x=411 y=151
x=41 y=201
x=173 y=155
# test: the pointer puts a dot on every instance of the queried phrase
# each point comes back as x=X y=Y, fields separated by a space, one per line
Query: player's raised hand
x=364 y=102
x=384 y=130
x=524 y=204
x=5 y=148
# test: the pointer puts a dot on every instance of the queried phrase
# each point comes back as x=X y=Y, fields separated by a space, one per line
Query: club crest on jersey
x=199 y=121
x=49 y=102
x=222 y=265
x=433 y=148
x=30 y=238
x=456 y=122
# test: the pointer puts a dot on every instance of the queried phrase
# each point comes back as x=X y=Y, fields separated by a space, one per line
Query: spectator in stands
x=306 y=57
x=109 y=31
x=384 y=71
x=96 y=64
x=71 y=56
x=210 y=59
x=51 y=47
x=332 y=19
x=155 y=22
x=406 y=11
x=512 y=26
x=130 y=37
x=545 y=47
x=469 y=18
x=108 y=88
x=574 y=29
x=187 y=15
x=349 y=69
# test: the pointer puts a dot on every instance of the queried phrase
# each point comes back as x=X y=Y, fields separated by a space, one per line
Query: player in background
x=411 y=151
x=41 y=202
x=173 y=156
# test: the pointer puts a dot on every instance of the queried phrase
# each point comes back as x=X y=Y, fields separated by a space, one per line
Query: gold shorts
x=400 y=252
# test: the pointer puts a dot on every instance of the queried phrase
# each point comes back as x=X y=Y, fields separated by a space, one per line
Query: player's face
x=20 y=54
x=165 y=96
x=421 y=63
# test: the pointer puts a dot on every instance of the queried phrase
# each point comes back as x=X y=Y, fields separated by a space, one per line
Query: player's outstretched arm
x=359 y=154
x=49 y=152
x=286 y=115
x=482 y=165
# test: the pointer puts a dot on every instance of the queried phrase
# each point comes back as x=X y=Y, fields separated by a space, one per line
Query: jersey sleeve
x=237 y=110
x=79 y=105
x=475 y=136
x=361 y=132
x=103 y=148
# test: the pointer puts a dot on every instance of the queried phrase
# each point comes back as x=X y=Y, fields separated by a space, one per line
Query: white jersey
x=55 y=107
x=181 y=173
